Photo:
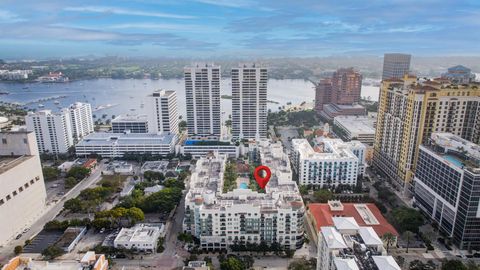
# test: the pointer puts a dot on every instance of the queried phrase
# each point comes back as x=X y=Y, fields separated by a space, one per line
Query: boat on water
x=4 y=92
x=41 y=105
x=56 y=102
x=25 y=87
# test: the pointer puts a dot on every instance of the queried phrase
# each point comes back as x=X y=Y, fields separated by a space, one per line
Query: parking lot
x=43 y=240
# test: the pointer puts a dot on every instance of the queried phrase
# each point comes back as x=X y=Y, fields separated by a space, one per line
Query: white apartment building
x=202 y=90
x=119 y=144
x=81 y=119
x=242 y=216
x=249 y=102
x=22 y=192
x=52 y=130
x=142 y=237
x=348 y=246
x=331 y=163
x=90 y=261
x=162 y=111
x=133 y=123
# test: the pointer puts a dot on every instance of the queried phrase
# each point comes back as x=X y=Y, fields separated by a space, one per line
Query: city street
x=50 y=213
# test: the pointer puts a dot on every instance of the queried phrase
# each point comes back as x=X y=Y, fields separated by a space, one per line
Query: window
x=15 y=193
x=2 y=201
x=4 y=140
x=9 y=197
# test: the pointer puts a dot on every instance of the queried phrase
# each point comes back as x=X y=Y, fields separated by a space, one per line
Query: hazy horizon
x=207 y=29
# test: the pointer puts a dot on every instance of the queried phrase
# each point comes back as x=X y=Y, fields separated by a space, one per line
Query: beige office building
x=22 y=192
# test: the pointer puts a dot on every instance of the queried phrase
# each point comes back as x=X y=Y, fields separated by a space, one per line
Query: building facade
x=410 y=110
x=343 y=88
x=323 y=94
x=120 y=144
x=130 y=123
x=23 y=194
x=202 y=90
x=249 y=102
x=346 y=86
x=447 y=180
x=395 y=65
x=332 y=162
x=142 y=237
x=162 y=112
x=222 y=219
x=81 y=119
x=52 y=130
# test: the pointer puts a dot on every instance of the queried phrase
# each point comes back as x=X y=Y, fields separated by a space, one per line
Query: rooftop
x=99 y=138
x=357 y=124
x=364 y=214
x=332 y=149
x=162 y=93
x=9 y=162
x=130 y=118
x=455 y=150
x=206 y=186
x=139 y=233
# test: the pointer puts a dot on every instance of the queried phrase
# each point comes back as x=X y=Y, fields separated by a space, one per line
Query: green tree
x=232 y=263
x=471 y=265
x=78 y=173
x=135 y=215
x=407 y=219
x=74 y=205
x=303 y=189
x=453 y=265
x=52 y=252
x=50 y=173
x=389 y=239
x=174 y=183
x=17 y=250
x=70 y=182
x=303 y=264
x=407 y=236
x=322 y=195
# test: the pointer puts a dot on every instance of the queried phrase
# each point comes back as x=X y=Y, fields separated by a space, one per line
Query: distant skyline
x=237 y=28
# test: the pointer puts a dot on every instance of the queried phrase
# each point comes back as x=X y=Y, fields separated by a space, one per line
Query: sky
x=237 y=28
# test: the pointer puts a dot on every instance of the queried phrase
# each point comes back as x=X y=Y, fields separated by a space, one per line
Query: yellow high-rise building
x=410 y=110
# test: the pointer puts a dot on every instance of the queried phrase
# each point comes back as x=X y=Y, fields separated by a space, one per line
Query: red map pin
x=262 y=181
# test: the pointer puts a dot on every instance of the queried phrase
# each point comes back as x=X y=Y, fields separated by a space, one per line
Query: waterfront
x=127 y=96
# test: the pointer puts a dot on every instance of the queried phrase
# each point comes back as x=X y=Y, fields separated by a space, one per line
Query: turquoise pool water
x=454 y=160
x=243 y=186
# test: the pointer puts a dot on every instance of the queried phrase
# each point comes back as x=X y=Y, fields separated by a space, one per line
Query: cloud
x=162 y=26
x=60 y=33
x=126 y=11
x=9 y=17
x=227 y=3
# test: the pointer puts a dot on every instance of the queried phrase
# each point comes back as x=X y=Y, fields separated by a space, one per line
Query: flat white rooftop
x=357 y=124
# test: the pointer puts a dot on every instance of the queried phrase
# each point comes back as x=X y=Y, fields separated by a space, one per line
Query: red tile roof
x=323 y=217
x=90 y=163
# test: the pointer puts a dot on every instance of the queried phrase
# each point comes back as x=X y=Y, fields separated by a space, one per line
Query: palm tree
x=407 y=235
x=388 y=238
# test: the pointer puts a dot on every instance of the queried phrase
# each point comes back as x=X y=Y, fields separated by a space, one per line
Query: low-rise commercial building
x=89 y=261
x=141 y=237
x=222 y=219
x=348 y=246
x=196 y=265
x=22 y=192
x=363 y=214
x=200 y=149
x=137 y=123
x=119 y=144
x=446 y=187
x=331 y=163
x=330 y=111
x=361 y=128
